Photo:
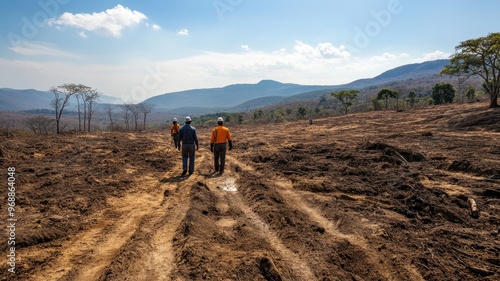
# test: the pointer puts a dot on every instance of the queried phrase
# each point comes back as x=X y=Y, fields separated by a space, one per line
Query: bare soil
x=368 y=196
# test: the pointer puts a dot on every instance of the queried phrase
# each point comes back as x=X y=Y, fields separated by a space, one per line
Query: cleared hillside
x=369 y=196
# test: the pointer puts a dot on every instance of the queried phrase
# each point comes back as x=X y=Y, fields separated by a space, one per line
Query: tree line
x=86 y=99
x=478 y=57
x=475 y=57
x=131 y=115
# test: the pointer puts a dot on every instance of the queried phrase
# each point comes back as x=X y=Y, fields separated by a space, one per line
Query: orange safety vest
x=220 y=134
x=174 y=129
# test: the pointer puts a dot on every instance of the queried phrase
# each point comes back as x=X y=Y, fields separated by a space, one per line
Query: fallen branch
x=268 y=269
x=400 y=156
x=474 y=211
x=480 y=271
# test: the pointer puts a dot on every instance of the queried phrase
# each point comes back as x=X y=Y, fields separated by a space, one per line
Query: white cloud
x=433 y=56
x=183 y=32
x=40 y=49
x=156 y=27
x=110 y=22
x=327 y=50
x=15 y=73
x=321 y=64
x=389 y=57
x=207 y=69
x=322 y=50
x=82 y=34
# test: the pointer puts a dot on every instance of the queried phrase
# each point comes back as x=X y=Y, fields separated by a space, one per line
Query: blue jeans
x=188 y=153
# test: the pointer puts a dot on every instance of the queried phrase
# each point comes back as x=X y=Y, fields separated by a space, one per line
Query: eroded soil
x=370 y=196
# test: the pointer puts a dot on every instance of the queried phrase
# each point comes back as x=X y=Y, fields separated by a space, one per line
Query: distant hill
x=409 y=71
x=11 y=99
x=16 y=100
x=229 y=96
x=244 y=97
x=237 y=97
x=409 y=74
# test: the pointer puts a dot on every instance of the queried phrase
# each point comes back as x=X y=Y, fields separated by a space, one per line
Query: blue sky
x=138 y=49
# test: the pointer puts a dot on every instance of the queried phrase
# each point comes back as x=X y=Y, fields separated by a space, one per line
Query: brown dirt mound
x=484 y=119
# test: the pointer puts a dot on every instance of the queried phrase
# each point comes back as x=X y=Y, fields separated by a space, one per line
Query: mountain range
x=232 y=98
x=244 y=97
x=29 y=99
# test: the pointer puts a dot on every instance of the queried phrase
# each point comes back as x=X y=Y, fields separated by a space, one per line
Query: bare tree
x=5 y=124
x=81 y=95
x=62 y=94
x=136 y=110
x=39 y=124
x=109 y=110
x=145 y=109
x=126 y=109
x=79 y=111
x=91 y=97
x=461 y=86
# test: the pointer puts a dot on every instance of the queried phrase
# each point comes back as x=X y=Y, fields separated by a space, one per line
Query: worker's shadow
x=211 y=175
x=175 y=179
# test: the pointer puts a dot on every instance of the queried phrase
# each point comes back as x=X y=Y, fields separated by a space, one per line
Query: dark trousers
x=219 y=157
x=188 y=153
x=177 y=141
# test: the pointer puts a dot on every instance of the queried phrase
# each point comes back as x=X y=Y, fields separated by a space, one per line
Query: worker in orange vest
x=174 y=132
x=218 y=140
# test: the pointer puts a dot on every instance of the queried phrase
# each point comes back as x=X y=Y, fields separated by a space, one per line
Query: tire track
x=297 y=265
x=85 y=255
x=229 y=198
x=150 y=254
x=88 y=255
x=162 y=240
x=295 y=199
x=381 y=265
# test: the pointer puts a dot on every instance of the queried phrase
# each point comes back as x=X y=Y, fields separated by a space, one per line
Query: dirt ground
x=368 y=196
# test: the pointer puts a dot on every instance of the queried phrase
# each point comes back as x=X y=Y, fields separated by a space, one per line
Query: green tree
x=480 y=57
x=396 y=97
x=412 y=98
x=443 y=93
x=375 y=103
x=470 y=94
x=385 y=94
x=279 y=114
x=301 y=112
x=322 y=100
x=258 y=114
x=346 y=97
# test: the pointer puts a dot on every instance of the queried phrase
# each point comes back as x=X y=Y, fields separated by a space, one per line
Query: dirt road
x=370 y=196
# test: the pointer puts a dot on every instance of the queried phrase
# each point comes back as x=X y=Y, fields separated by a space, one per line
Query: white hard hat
x=188 y=119
x=175 y=120
x=220 y=119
